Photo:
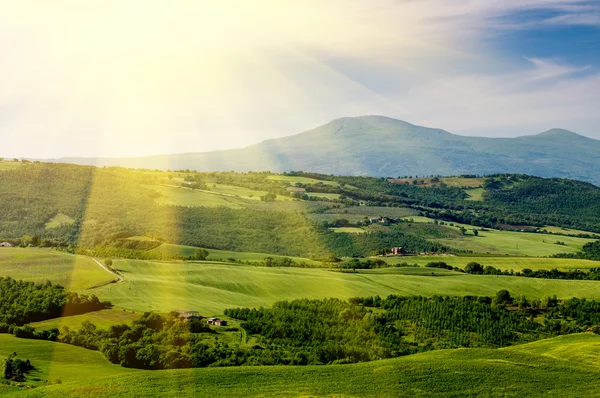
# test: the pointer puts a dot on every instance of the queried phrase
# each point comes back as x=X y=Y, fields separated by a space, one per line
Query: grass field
x=516 y=243
x=59 y=220
x=565 y=231
x=210 y=288
x=185 y=251
x=475 y=193
x=59 y=361
x=348 y=230
x=459 y=182
x=180 y=196
x=510 y=243
x=40 y=265
x=515 y=372
x=103 y=319
x=9 y=165
x=304 y=180
x=500 y=262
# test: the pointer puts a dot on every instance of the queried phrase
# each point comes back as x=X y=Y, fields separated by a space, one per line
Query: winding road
x=120 y=277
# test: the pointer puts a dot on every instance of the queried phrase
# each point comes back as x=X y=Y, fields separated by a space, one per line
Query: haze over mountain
x=382 y=146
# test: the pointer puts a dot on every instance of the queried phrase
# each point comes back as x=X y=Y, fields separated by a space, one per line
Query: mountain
x=382 y=146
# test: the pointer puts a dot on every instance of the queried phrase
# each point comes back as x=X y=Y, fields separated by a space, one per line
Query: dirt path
x=120 y=277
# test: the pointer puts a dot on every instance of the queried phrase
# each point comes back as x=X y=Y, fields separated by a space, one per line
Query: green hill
x=447 y=373
x=381 y=146
x=210 y=288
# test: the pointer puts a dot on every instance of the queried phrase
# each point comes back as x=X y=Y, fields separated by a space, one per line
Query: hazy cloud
x=142 y=77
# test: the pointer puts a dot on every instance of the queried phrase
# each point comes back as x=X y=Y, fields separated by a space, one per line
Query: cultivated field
x=55 y=361
x=515 y=371
x=511 y=243
x=185 y=251
x=210 y=288
x=501 y=262
x=103 y=319
x=40 y=265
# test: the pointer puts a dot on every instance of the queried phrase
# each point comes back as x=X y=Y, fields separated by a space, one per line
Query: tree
x=108 y=262
x=463 y=230
x=503 y=297
x=201 y=254
x=475 y=232
x=474 y=268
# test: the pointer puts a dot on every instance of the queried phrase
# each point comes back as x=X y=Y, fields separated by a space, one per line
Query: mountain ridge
x=381 y=146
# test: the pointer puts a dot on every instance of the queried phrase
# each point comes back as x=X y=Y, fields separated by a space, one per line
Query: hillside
x=535 y=370
x=381 y=146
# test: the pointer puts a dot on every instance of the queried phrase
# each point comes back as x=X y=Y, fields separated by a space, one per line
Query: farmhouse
x=373 y=220
x=216 y=322
x=189 y=315
x=5 y=244
x=397 y=251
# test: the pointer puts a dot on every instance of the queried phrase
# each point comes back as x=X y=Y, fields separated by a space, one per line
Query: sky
x=135 y=78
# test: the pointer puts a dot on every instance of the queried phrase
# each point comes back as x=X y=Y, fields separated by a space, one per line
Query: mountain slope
x=381 y=146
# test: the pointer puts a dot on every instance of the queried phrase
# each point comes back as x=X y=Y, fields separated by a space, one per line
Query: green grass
x=323 y=195
x=210 y=288
x=185 y=251
x=59 y=220
x=10 y=165
x=304 y=180
x=348 y=230
x=516 y=243
x=475 y=193
x=103 y=319
x=510 y=243
x=180 y=196
x=59 y=361
x=40 y=265
x=578 y=348
x=565 y=231
x=501 y=262
x=444 y=373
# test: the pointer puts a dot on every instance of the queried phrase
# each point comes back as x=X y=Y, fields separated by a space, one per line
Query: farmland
x=225 y=255
x=546 y=368
x=56 y=361
x=102 y=319
x=500 y=262
x=40 y=265
x=210 y=288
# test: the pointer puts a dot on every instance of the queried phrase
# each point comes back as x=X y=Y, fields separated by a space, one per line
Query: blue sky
x=133 y=78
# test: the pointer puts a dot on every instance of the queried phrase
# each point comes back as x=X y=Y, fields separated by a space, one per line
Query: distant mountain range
x=382 y=146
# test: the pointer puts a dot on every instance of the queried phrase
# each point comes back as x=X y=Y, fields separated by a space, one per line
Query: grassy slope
x=103 y=319
x=509 y=242
x=501 y=262
x=182 y=250
x=448 y=373
x=40 y=265
x=59 y=361
x=210 y=288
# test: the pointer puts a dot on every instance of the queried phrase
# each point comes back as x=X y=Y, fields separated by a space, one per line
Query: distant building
x=189 y=315
x=216 y=322
x=397 y=251
x=374 y=220
x=5 y=244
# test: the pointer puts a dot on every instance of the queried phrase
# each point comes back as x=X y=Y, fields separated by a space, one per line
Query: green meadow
x=40 y=265
x=212 y=287
x=516 y=243
x=500 y=262
x=534 y=370
x=511 y=243
x=185 y=251
x=54 y=361
x=103 y=319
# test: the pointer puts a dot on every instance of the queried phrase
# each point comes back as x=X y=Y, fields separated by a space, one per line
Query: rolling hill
x=382 y=146
x=558 y=367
